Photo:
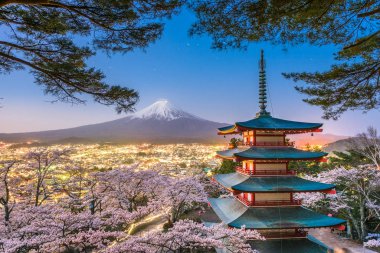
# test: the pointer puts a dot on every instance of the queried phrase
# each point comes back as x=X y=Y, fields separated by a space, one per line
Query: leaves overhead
x=352 y=83
x=53 y=40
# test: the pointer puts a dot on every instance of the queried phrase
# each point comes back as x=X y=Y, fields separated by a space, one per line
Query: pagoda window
x=248 y=137
x=250 y=197
x=250 y=165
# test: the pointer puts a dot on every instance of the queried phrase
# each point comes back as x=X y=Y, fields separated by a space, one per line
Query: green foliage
x=351 y=25
x=307 y=167
x=349 y=159
x=234 y=142
x=227 y=166
x=129 y=161
x=182 y=165
x=203 y=165
x=38 y=36
x=141 y=154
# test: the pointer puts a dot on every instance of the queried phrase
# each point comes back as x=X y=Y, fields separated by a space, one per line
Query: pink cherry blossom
x=186 y=234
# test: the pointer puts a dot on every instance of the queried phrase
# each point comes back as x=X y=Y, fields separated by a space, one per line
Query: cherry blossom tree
x=358 y=197
x=57 y=225
x=40 y=168
x=127 y=194
x=89 y=212
x=372 y=243
x=77 y=185
x=189 y=236
x=129 y=188
x=182 y=195
x=52 y=228
x=7 y=201
x=368 y=145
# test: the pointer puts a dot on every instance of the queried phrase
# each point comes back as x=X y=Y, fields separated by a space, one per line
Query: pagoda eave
x=271 y=154
x=235 y=214
x=294 y=245
x=285 y=191
x=239 y=183
x=241 y=158
x=282 y=130
x=240 y=129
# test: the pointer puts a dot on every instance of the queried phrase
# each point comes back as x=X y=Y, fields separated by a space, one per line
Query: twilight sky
x=216 y=85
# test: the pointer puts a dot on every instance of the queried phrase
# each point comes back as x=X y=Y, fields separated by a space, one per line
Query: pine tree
x=42 y=36
x=353 y=26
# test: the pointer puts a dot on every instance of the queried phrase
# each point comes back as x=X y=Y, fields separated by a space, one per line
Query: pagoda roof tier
x=298 y=245
x=270 y=153
x=267 y=122
x=235 y=214
x=244 y=183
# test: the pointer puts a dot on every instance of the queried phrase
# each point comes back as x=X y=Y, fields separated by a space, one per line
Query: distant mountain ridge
x=339 y=146
x=316 y=139
x=159 y=123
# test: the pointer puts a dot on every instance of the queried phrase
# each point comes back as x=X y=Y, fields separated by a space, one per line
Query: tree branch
x=362 y=40
x=25 y=2
x=369 y=13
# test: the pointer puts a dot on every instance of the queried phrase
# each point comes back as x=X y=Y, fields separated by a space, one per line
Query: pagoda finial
x=262 y=87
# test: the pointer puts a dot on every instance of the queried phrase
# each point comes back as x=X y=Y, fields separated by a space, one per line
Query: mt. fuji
x=162 y=110
x=160 y=122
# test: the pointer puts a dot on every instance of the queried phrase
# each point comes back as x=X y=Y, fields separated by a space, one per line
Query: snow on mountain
x=161 y=110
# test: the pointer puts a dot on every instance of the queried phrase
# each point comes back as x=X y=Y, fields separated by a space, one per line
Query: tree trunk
x=7 y=213
x=355 y=223
x=363 y=224
x=37 y=196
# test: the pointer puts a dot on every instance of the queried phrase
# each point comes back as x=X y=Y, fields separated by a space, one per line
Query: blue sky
x=216 y=85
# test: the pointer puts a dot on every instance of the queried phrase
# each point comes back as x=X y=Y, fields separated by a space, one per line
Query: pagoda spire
x=262 y=88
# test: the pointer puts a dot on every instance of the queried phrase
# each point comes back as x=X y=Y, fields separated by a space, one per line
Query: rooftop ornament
x=262 y=88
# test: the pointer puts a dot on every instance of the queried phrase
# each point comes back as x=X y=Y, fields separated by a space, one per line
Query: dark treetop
x=38 y=35
x=353 y=26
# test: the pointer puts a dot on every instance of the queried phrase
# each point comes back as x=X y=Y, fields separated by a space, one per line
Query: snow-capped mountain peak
x=162 y=110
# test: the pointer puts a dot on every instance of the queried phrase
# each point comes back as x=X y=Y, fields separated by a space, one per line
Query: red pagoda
x=262 y=188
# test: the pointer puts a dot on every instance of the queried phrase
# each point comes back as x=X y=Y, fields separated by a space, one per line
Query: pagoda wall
x=263 y=138
x=264 y=167
x=272 y=196
x=270 y=140
x=270 y=167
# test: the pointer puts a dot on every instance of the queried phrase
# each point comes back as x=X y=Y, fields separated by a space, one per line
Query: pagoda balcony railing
x=269 y=202
x=264 y=172
x=267 y=143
